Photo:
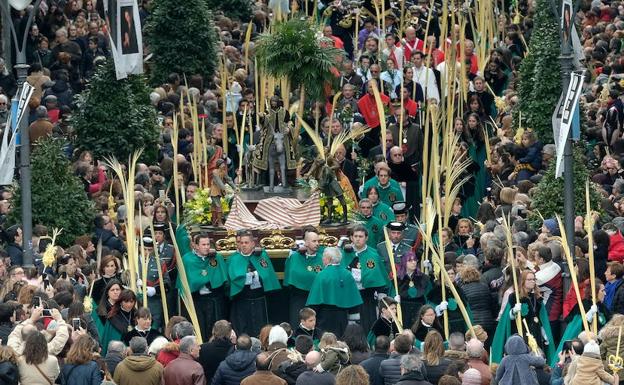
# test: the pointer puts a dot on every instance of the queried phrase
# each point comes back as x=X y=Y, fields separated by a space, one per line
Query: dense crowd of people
x=368 y=311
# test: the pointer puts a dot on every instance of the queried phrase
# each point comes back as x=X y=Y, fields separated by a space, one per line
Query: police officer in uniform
x=301 y=268
x=251 y=276
x=373 y=224
x=399 y=246
x=206 y=272
x=152 y=284
x=166 y=253
x=401 y=215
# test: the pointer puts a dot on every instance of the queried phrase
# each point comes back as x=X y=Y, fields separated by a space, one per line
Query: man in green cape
x=574 y=322
x=369 y=272
x=334 y=294
x=301 y=267
x=207 y=276
x=251 y=275
x=389 y=189
x=373 y=225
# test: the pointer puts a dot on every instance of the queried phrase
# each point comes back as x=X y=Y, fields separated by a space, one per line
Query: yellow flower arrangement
x=199 y=209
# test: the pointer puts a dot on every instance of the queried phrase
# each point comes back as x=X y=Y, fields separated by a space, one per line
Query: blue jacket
x=515 y=368
x=235 y=367
x=85 y=374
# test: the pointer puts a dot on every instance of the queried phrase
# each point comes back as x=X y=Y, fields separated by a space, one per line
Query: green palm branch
x=294 y=51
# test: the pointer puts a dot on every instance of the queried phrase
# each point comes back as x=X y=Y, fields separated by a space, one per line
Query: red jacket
x=570 y=299
x=616 y=247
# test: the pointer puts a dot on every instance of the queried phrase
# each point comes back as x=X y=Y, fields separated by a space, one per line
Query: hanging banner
x=570 y=104
x=556 y=120
x=11 y=133
x=126 y=39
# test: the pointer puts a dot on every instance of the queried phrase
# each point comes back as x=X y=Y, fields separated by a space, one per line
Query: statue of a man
x=277 y=142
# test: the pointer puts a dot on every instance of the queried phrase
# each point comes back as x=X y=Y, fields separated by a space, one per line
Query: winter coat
x=515 y=368
x=9 y=374
x=278 y=353
x=168 y=353
x=478 y=296
x=390 y=369
x=456 y=355
x=617 y=304
x=138 y=370
x=29 y=375
x=590 y=371
x=16 y=253
x=371 y=365
x=609 y=337
x=434 y=372
x=184 y=370
x=63 y=93
x=291 y=370
x=569 y=302
x=85 y=374
x=357 y=357
x=414 y=378
x=311 y=377
x=235 y=367
x=333 y=359
x=211 y=354
x=483 y=368
x=5 y=330
x=109 y=240
x=263 y=377
x=616 y=247
x=112 y=361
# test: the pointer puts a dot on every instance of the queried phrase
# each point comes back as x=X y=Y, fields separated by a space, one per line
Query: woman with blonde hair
x=80 y=366
x=352 y=375
x=9 y=374
x=433 y=356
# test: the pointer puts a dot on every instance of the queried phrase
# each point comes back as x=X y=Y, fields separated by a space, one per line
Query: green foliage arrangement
x=182 y=38
x=540 y=74
x=115 y=117
x=549 y=196
x=59 y=199
x=234 y=9
x=293 y=51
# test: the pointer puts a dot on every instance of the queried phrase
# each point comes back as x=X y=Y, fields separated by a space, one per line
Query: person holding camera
x=207 y=278
x=251 y=276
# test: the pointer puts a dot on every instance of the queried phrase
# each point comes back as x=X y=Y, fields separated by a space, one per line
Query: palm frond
x=316 y=139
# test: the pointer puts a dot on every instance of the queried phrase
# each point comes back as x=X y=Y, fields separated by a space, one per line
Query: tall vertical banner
x=566 y=22
x=570 y=104
x=126 y=39
x=11 y=133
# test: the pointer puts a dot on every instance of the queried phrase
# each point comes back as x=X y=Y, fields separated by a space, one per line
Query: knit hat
x=591 y=347
x=471 y=377
x=278 y=334
x=551 y=225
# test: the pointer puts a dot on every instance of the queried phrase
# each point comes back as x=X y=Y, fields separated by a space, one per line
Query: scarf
x=610 y=288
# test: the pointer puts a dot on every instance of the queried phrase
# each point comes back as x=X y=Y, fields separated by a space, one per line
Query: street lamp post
x=21 y=67
x=566 y=60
